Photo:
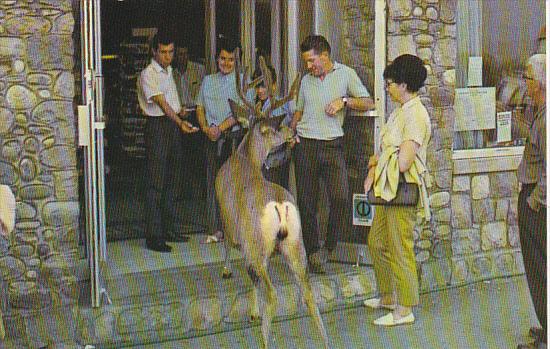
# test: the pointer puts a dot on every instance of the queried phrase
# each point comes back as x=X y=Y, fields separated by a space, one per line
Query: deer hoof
x=227 y=274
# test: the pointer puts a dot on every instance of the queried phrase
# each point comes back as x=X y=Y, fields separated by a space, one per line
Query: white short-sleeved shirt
x=154 y=80
x=315 y=94
x=409 y=122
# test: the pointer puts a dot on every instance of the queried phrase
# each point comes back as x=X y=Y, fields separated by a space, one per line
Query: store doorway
x=127 y=27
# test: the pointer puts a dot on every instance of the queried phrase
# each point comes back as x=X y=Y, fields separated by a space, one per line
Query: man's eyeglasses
x=526 y=77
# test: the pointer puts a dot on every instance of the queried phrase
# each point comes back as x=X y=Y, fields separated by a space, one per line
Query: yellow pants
x=391 y=245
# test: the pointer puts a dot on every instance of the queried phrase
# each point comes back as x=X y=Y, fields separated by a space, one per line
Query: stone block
x=447 y=11
x=461 y=183
x=513 y=236
x=12 y=47
x=11 y=268
x=424 y=244
x=493 y=235
x=503 y=184
x=399 y=8
x=505 y=264
x=443 y=179
x=20 y=97
x=63 y=24
x=425 y=54
x=466 y=241
x=461 y=273
x=399 y=45
x=66 y=185
x=442 y=160
x=59 y=157
x=481 y=267
x=155 y=318
x=502 y=206
x=11 y=151
x=483 y=210
x=58 y=214
x=480 y=187
x=422 y=256
x=7 y=120
x=512 y=218
x=462 y=212
x=24 y=211
x=442 y=215
x=52 y=52
x=445 y=53
x=49 y=112
x=35 y=192
x=27 y=25
x=417 y=11
x=431 y=13
x=442 y=249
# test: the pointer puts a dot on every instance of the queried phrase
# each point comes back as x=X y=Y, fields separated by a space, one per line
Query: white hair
x=538 y=64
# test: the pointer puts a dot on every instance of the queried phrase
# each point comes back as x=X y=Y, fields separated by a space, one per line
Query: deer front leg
x=270 y=306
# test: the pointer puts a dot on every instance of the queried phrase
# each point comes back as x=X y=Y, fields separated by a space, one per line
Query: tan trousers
x=391 y=245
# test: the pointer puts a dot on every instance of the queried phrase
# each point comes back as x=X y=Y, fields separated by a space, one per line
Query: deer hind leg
x=227 y=272
x=294 y=253
x=254 y=308
x=270 y=304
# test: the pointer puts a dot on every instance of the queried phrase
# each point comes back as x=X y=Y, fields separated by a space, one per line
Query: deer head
x=264 y=131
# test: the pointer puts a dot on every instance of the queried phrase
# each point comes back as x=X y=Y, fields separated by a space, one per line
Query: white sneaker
x=388 y=320
x=374 y=303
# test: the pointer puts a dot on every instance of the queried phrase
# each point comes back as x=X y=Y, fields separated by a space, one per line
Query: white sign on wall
x=475 y=108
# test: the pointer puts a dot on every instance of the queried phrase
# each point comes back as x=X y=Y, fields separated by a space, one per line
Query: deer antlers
x=243 y=87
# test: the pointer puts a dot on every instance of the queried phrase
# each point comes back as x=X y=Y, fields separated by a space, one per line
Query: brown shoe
x=527 y=346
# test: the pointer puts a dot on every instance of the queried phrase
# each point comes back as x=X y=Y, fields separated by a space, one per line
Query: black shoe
x=177 y=238
x=158 y=246
x=537 y=333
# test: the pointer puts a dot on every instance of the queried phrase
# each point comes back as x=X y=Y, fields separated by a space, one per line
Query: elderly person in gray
x=532 y=196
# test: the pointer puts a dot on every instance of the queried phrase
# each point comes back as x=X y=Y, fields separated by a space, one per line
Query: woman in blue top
x=276 y=167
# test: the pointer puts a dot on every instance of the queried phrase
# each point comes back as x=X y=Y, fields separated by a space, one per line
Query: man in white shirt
x=158 y=98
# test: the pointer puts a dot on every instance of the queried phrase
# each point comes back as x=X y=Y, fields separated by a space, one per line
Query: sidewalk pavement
x=490 y=314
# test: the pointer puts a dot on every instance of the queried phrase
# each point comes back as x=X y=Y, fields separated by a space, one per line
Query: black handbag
x=407 y=195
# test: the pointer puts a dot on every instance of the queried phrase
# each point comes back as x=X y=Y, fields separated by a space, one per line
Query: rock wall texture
x=474 y=235
x=38 y=154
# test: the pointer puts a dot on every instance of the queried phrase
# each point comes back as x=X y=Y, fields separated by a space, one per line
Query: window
x=504 y=33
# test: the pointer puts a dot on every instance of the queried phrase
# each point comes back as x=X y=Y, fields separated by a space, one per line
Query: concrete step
x=187 y=301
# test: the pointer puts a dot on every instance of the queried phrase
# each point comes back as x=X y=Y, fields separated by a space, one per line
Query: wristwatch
x=345 y=100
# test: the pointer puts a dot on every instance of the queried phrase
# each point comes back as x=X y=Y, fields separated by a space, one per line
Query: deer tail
x=281 y=221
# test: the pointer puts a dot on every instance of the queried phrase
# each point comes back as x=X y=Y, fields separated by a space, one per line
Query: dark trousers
x=163 y=142
x=532 y=234
x=315 y=159
x=278 y=175
x=216 y=156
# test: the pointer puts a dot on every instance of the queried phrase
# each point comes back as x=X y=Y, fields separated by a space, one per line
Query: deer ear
x=239 y=113
x=275 y=121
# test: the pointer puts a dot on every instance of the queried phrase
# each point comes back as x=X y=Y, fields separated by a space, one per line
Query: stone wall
x=475 y=233
x=38 y=155
x=485 y=230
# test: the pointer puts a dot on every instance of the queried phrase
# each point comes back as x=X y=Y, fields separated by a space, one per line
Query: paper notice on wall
x=475 y=71
x=504 y=127
x=475 y=108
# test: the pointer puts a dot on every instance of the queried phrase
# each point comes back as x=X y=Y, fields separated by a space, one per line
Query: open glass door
x=91 y=125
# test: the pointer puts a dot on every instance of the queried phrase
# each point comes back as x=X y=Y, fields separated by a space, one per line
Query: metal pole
x=99 y=129
x=90 y=158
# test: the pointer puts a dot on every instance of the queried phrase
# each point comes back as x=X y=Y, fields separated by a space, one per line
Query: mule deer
x=259 y=216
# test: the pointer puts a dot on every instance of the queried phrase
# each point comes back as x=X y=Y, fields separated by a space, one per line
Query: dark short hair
x=408 y=69
x=317 y=43
x=226 y=45
x=258 y=72
x=162 y=38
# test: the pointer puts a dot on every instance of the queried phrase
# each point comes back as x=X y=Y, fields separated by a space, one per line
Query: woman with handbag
x=405 y=138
